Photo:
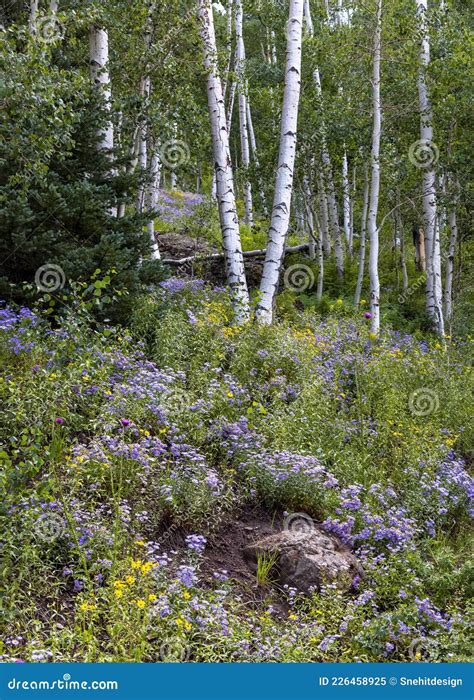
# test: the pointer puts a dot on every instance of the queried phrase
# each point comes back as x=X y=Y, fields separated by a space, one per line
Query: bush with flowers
x=124 y=450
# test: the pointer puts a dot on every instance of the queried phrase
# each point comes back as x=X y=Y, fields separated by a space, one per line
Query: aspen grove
x=235 y=322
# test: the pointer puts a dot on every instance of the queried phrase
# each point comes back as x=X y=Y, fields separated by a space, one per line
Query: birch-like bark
x=346 y=199
x=99 y=62
x=323 y=215
x=234 y=261
x=448 y=290
x=145 y=90
x=244 y=132
x=375 y=179
x=351 y=217
x=131 y=165
x=363 y=232
x=230 y=106
x=326 y=193
x=315 y=247
x=229 y=11
x=273 y=49
x=152 y=200
x=33 y=13
x=401 y=237
x=307 y=18
x=307 y=198
x=253 y=146
x=174 y=174
x=286 y=161
x=329 y=186
x=432 y=239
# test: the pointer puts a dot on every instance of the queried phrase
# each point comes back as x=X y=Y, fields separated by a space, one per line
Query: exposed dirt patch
x=179 y=245
x=224 y=551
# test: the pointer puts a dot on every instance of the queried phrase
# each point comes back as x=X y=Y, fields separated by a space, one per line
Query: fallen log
x=175 y=262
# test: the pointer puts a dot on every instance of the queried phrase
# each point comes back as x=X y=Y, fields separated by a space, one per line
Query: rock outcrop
x=307 y=560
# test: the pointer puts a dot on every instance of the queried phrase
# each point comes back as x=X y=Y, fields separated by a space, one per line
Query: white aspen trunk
x=333 y=214
x=253 y=146
x=403 y=258
x=329 y=187
x=214 y=186
x=152 y=199
x=308 y=195
x=432 y=240
x=286 y=160
x=448 y=291
x=351 y=217
x=99 y=61
x=400 y=238
x=145 y=90
x=323 y=242
x=442 y=216
x=363 y=231
x=244 y=134
x=315 y=241
x=230 y=106
x=174 y=174
x=229 y=12
x=323 y=215
x=272 y=61
x=274 y=51
x=234 y=261
x=346 y=198
x=375 y=180
x=33 y=13
x=131 y=165
x=319 y=290
x=198 y=179
x=307 y=18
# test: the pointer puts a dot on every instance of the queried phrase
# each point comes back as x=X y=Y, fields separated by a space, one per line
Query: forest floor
x=138 y=462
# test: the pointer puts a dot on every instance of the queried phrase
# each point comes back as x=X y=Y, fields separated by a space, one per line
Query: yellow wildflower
x=140 y=604
x=85 y=607
x=130 y=580
x=136 y=564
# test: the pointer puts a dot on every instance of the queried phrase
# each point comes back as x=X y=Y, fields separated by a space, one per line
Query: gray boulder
x=307 y=560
